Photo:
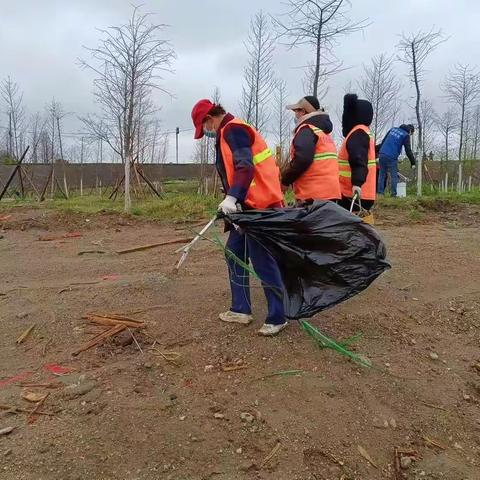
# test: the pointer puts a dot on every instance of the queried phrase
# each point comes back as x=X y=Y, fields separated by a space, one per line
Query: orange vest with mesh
x=369 y=188
x=265 y=189
x=320 y=181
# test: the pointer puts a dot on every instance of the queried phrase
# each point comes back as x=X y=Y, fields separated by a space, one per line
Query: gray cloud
x=42 y=40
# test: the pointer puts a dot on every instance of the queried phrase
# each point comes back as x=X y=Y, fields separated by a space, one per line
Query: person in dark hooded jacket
x=356 y=157
x=313 y=168
x=389 y=151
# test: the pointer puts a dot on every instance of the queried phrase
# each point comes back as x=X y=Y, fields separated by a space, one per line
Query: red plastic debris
x=15 y=378
x=56 y=369
x=113 y=276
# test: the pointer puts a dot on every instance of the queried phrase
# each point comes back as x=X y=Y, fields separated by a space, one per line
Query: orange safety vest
x=369 y=188
x=265 y=189
x=320 y=181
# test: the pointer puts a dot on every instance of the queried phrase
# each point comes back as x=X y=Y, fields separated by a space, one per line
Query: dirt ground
x=124 y=411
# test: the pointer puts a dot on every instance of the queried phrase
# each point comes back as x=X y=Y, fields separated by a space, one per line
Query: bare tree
x=283 y=120
x=476 y=132
x=414 y=51
x=319 y=24
x=428 y=115
x=380 y=86
x=157 y=143
x=44 y=145
x=13 y=99
x=462 y=87
x=56 y=113
x=258 y=75
x=36 y=126
x=128 y=63
x=467 y=134
x=204 y=154
x=447 y=123
x=216 y=99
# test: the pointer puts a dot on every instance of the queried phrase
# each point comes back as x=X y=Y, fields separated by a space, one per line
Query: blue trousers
x=387 y=164
x=265 y=267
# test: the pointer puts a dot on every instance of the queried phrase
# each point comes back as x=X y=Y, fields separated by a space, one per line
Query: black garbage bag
x=325 y=254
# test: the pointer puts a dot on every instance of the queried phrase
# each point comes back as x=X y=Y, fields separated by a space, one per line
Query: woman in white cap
x=313 y=167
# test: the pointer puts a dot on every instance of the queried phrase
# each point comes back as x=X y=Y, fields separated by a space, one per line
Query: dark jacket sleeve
x=304 y=145
x=408 y=150
x=357 y=147
x=240 y=143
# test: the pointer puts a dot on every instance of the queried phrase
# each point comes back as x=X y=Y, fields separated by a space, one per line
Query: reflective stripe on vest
x=265 y=189
x=345 y=172
x=325 y=156
x=260 y=157
x=320 y=181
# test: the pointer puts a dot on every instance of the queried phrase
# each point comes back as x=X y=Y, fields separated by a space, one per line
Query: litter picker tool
x=365 y=215
x=186 y=249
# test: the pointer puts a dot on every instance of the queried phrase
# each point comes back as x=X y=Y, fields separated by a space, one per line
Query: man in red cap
x=251 y=180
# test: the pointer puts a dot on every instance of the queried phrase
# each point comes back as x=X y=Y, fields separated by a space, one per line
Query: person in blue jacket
x=389 y=151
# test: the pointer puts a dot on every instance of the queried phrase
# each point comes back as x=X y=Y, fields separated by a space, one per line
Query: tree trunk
x=420 y=129
x=377 y=98
x=446 y=144
x=128 y=200
x=257 y=80
x=462 y=123
x=316 y=76
x=460 y=177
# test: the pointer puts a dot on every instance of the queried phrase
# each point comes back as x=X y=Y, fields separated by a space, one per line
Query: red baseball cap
x=199 y=112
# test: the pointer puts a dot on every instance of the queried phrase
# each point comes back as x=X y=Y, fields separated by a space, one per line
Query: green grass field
x=181 y=202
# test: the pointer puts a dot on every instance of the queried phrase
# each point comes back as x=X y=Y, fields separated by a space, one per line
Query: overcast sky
x=41 y=40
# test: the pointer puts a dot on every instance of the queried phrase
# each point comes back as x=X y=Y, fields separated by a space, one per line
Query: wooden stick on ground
x=25 y=334
x=108 y=321
x=115 y=316
x=47 y=238
x=397 y=466
x=47 y=343
x=434 y=443
x=436 y=407
x=42 y=385
x=31 y=418
x=147 y=309
x=171 y=357
x=153 y=245
x=276 y=448
x=135 y=340
x=233 y=368
x=100 y=339
x=13 y=408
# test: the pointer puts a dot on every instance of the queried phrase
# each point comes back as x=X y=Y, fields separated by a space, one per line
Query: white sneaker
x=234 y=317
x=269 y=330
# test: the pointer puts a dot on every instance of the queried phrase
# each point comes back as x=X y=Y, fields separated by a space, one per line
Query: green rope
x=325 y=342
x=230 y=255
x=320 y=338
